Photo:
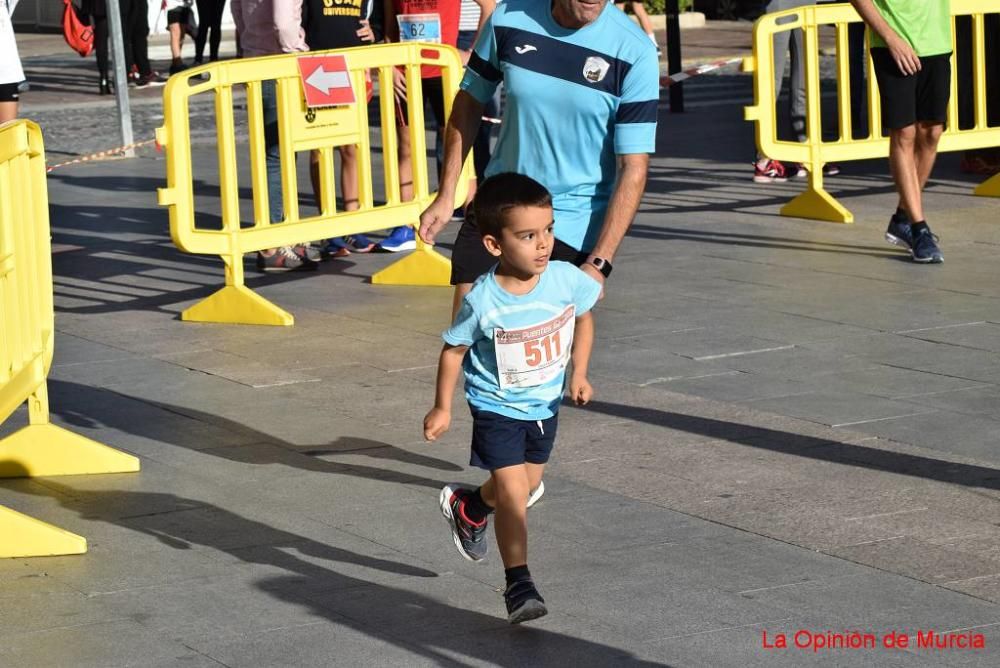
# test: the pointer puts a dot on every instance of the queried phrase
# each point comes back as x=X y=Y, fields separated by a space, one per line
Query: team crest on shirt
x=595 y=69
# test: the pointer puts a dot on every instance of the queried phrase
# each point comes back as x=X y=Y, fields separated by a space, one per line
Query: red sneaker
x=769 y=171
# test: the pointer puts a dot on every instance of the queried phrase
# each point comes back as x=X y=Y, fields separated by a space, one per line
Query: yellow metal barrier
x=301 y=129
x=815 y=152
x=26 y=345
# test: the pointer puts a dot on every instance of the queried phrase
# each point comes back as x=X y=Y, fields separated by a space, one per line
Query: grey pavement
x=795 y=427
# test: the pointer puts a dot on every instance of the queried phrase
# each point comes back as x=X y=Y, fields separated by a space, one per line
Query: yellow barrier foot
x=817 y=205
x=23 y=536
x=421 y=267
x=239 y=305
x=990 y=187
x=46 y=450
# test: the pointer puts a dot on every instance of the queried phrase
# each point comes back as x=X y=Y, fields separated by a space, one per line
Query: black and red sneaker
x=524 y=603
x=469 y=537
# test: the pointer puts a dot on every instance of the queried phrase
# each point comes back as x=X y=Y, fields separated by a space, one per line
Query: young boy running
x=514 y=334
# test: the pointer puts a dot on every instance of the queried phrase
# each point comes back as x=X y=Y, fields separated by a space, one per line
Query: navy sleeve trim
x=552 y=57
x=484 y=69
x=637 y=112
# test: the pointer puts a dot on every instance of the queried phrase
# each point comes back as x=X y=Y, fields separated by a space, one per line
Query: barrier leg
x=237 y=304
x=23 y=536
x=424 y=266
x=816 y=203
x=43 y=449
x=990 y=187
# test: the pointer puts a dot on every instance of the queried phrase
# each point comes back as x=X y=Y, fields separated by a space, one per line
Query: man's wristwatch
x=602 y=265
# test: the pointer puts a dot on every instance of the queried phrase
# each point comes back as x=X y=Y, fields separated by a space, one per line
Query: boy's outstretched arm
x=438 y=419
x=580 y=390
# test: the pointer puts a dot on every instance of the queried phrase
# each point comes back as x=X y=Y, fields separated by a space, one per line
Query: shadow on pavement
x=966 y=475
x=411 y=621
x=641 y=231
x=149 y=422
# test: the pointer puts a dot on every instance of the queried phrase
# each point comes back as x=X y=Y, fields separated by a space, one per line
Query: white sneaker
x=536 y=493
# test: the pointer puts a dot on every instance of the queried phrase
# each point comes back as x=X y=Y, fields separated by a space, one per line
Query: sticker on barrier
x=326 y=81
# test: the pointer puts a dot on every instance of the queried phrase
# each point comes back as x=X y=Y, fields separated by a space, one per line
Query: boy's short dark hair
x=502 y=192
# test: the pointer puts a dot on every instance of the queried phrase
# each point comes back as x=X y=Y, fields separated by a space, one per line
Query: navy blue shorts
x=499 y=441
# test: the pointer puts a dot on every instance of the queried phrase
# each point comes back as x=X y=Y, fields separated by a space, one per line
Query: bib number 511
x=543 y=350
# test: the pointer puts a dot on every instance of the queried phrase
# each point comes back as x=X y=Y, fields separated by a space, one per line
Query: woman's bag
x=78 y=34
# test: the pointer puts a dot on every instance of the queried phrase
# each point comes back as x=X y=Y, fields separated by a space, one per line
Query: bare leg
x=405 y=165
x=176 y=37
x=642 y=17
x=928 y=136
x=349 y=176
x=314 y=158
x=8 y=112
x=534 y=473
x=507 y=491
x=903 y=165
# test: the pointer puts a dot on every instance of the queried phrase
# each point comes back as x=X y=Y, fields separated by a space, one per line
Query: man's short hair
x=502 y=192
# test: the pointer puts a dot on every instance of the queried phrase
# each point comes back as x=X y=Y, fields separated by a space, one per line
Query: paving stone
x=982 y=400
x=119 y=642
x=847 y=409
x=931 y=430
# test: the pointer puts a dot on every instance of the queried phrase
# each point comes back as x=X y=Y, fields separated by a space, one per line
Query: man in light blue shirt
x=582 y=87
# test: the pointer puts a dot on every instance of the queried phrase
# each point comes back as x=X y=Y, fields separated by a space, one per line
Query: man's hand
x=435 y=217
x=594 y=273
x=436 y=423
x=399 y=83
x=906 y=58
x=365 y=33
x=580 y=390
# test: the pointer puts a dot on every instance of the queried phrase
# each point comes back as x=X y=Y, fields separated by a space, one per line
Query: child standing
x=514 y=334
x=340 y=26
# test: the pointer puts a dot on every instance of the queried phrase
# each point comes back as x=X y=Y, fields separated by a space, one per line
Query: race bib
x=419 y=28
x=536 y=354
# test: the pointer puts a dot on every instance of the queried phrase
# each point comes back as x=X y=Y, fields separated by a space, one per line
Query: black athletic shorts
x=470 y=259
x=499 y=441
x=180 y=15
x=908 y=99
x=9 y=92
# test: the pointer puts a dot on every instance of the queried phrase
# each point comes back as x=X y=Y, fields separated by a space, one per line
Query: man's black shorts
x=908 y=99
x=9 y=92
x=470 y=259
x=499 y=441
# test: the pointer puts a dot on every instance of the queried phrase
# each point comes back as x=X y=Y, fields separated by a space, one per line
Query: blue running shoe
x=899 y=233
x=924 y=248
x=354 y=243
x=400 y=239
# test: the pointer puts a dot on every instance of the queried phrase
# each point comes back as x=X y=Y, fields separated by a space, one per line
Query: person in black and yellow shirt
x=340 y=24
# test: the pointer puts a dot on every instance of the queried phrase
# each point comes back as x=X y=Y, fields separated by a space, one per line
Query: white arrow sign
x=323 y=81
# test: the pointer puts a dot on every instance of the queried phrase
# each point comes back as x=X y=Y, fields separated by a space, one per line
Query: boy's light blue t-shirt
x=528 y=336
x=576 y=99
